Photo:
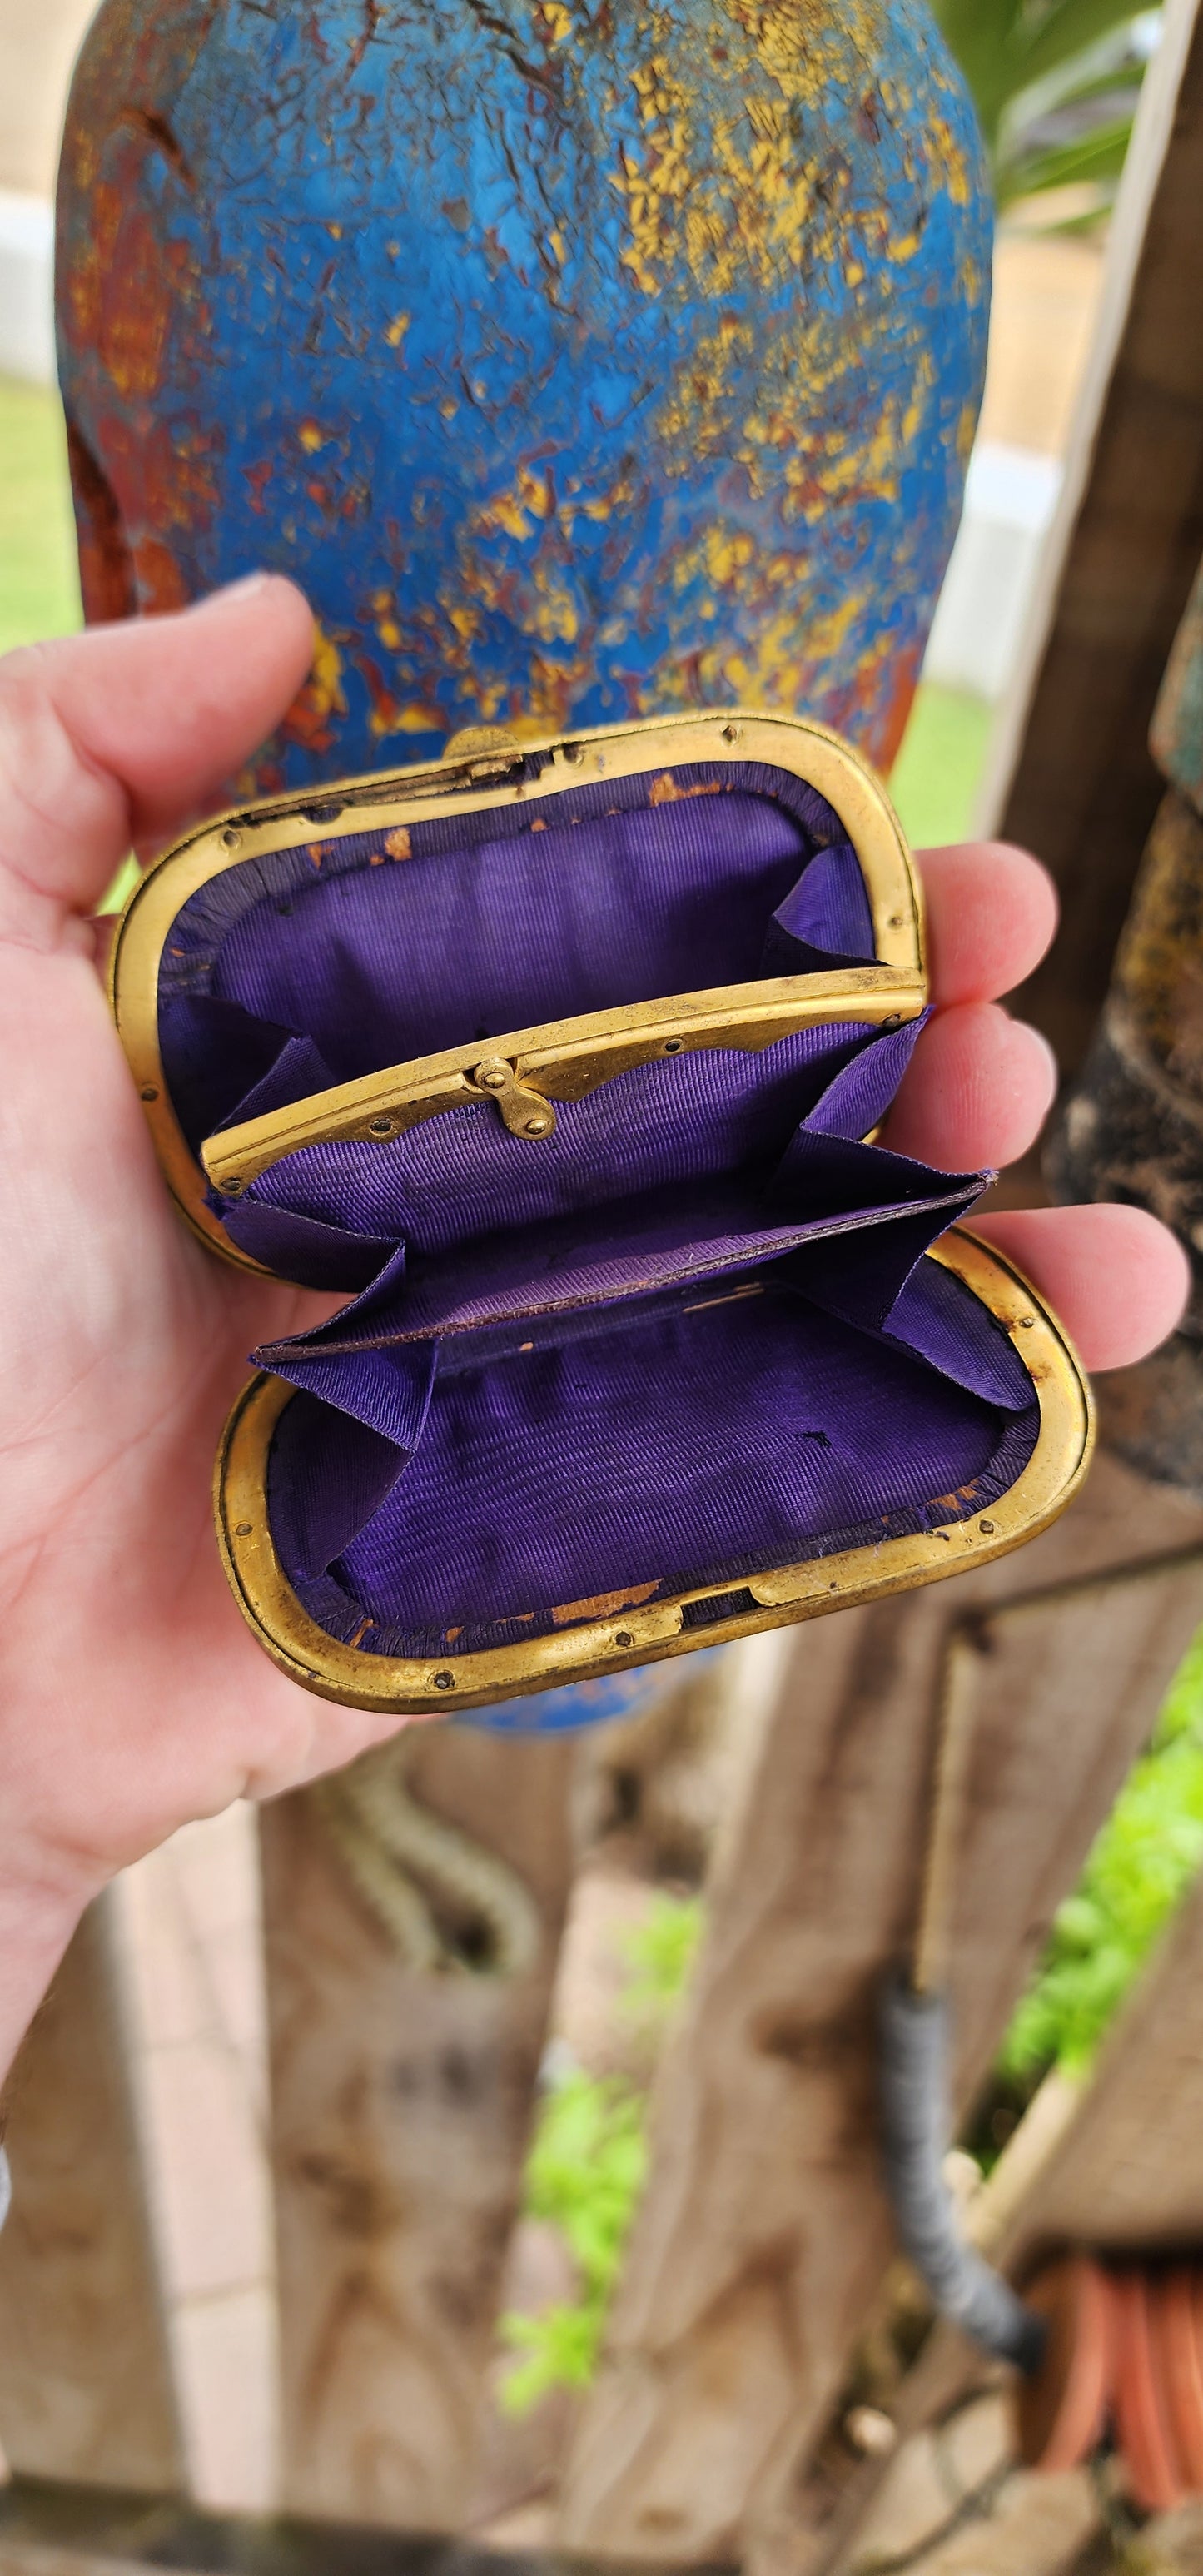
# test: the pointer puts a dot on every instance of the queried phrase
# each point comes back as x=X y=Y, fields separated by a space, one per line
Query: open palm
x=133 y=1696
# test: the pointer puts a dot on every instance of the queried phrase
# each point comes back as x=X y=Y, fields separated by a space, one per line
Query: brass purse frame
x=604 y=1644
x=526 y=1071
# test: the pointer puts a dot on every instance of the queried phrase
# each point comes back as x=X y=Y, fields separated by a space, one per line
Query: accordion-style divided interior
x=687 y=1338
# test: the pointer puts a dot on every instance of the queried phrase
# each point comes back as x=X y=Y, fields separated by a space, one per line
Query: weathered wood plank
x=402 y=2096
x=1118 y=2167
x=79 y=2531
x=37 y=2558
x=763 y=2233
x=1129 y=2170
x=840 y=2517
x=1068 y=1692
x=1073 y=776
x=1042 y=2189
x=85 y=2377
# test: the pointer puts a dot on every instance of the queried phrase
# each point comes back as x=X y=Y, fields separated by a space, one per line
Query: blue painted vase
x=584 y=359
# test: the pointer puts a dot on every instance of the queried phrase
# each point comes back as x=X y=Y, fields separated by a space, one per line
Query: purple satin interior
x=688 y=1337
x=494 y=921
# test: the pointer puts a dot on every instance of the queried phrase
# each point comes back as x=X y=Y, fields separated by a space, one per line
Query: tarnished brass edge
x=208 y=1230
x=807 y=751
x=563 y=1059
x=831 y=765
x=407 y=1687
x=1064 y=1445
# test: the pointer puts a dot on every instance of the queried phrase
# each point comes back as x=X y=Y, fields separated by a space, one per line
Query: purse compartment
x=658 y=1416
x=623 y=875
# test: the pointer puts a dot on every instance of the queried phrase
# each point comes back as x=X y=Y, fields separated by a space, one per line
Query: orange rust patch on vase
x=161 y=584
x=398 y=844
x=137 y=302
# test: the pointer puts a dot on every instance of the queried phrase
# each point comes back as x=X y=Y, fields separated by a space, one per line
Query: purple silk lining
x=686 y=1338
x=617 y=893
x=327 y=1213
x=710 y=1437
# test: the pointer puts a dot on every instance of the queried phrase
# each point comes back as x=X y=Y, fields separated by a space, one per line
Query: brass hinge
x=487 y=752
x=524 y=1110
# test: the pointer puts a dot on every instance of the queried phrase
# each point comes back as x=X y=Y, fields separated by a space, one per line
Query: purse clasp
x=524 y=1111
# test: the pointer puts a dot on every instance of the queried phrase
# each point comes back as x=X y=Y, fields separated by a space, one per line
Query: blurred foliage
x=586 y=2167
x=1138 y=1870
x=659 y=1954
x=585 y=2173
x=39 y=583
x=1055 y=83
x=934 y=781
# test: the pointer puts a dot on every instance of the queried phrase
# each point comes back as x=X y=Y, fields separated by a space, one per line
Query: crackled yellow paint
x=755 y=206
x=530 y=496
x=325 y=689
x=554 y=616
x=409 y=719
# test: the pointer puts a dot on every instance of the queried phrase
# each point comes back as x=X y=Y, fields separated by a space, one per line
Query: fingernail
x=247 y=583
x=1048 y=1052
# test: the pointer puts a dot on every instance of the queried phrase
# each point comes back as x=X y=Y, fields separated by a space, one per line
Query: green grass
x=39 y=583
x=935 y=777
x=39 y=576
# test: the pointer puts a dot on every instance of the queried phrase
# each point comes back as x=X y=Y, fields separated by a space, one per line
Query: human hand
x=133 y=1697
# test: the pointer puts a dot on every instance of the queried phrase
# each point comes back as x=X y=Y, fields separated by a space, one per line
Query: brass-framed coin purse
x=561 y=1060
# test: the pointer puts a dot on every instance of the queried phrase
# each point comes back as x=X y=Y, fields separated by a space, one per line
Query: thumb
x=117 y=736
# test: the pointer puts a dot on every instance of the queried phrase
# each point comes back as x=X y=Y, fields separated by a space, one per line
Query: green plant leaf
x=1020 y=57
x=1098 y=156
x=1070 y=27
x=561 y=2352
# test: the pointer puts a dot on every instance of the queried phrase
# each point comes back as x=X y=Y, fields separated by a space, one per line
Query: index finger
x=991 y=915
